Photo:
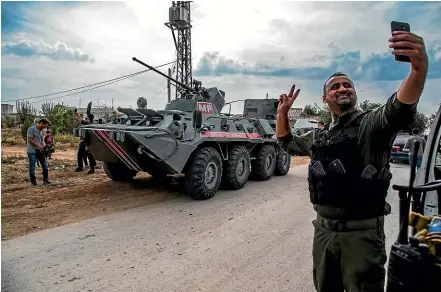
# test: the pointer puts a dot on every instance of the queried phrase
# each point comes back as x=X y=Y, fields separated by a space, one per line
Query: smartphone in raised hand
x=400 y=26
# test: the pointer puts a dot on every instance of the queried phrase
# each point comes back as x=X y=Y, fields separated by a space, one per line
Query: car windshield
x=303 y=123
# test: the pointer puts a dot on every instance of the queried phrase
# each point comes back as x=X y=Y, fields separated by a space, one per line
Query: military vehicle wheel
x=118 y=172
x=236 y=168
x=204 y=174
x=283 y=163
x=263 y=166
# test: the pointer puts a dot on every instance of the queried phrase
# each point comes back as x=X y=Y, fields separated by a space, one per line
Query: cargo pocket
x=379 y=243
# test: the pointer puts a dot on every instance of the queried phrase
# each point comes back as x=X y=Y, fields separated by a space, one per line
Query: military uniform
x=348 y=182
x=83 y=154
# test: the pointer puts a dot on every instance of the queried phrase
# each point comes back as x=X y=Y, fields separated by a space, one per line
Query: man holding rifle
x=349 y=172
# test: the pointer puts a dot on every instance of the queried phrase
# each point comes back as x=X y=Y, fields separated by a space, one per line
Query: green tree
x=325 y=115
x=107 y=116
x=367 y=105
x=9 y=121
x=421 y=123
x=61 y=117
x=25 y=111
x=310 y=110
x=431 y=119
x=26 y=115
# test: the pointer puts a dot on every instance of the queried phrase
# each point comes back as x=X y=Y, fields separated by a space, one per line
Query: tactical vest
x=337 y=175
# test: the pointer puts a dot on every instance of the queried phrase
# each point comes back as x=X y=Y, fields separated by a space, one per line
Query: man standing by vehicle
x=34 y=144
x=83 y=153
x=349 y=173
x=410 y=143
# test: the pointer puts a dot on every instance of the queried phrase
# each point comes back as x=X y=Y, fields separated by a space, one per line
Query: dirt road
x=73 y=196
x=254 y=239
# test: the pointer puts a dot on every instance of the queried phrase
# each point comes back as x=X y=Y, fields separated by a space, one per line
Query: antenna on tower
x=180 y=21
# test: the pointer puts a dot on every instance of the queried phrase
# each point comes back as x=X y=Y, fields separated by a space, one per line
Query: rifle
x=412 y=267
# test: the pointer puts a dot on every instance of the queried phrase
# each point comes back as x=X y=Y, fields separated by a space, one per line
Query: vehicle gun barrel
x=168 y=77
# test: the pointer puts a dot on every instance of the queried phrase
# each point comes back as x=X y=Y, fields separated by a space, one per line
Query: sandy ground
x=72 y=196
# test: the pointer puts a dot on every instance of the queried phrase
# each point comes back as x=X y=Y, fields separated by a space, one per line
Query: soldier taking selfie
x=349 y=172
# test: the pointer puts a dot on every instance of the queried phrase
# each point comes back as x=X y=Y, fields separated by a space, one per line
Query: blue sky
x=249 y=51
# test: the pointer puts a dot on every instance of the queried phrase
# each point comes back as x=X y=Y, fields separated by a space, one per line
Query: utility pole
x=180 y=20
x=168 y=86
x=112 y=103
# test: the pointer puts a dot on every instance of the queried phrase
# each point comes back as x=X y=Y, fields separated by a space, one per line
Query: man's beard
x=345 y=101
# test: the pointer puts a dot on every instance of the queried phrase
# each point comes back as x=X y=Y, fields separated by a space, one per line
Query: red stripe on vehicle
x=119 y=150
x=122 y=151
x=106 y=141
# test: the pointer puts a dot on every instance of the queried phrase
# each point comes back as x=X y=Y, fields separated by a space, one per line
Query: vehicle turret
x=197 y=93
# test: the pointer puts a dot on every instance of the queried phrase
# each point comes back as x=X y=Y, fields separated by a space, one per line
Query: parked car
x=430 y=171
x=399 y=153
x=302 y=126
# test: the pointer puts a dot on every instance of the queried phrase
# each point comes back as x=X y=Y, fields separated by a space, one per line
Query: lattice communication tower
x=180 y=24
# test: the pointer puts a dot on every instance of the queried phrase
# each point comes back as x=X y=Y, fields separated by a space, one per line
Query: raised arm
x=77 y=115
x=297 y=145
x=411 y=45
x=400 y=110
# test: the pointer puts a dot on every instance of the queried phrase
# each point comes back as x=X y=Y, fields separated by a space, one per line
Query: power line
x=158 y=94
x=86 y=89
x=107 y=82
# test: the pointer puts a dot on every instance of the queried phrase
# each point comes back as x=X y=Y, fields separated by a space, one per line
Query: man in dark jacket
x=83 y=153
x=349 y=173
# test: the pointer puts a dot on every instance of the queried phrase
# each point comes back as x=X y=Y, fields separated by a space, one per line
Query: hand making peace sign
x=286 y=101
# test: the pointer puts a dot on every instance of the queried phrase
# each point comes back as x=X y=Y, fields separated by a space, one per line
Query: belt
x=351 y=225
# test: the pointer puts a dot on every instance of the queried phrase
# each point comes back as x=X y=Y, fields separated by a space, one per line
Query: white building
x=7 y=109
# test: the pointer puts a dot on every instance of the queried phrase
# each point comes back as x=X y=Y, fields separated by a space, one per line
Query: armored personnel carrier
x=191 y=137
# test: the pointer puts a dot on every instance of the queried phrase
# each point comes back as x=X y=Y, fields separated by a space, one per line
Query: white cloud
x=57 y=51
x=281 y=33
